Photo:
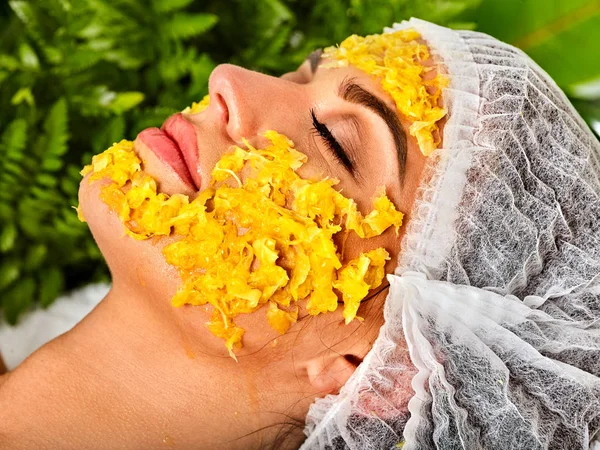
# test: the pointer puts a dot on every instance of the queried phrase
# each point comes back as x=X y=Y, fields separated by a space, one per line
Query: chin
x=135 y=265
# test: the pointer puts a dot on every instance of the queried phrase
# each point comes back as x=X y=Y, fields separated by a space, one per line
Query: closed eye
x=332 y=144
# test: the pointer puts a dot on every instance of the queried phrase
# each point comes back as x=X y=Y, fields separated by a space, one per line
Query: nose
x=244 y=100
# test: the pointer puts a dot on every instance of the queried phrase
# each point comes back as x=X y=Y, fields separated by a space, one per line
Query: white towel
x=39 y=326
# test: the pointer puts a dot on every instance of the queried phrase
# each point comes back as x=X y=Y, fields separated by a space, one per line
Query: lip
x=175 y=144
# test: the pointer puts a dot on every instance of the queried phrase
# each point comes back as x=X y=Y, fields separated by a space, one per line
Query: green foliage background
x=77 y=75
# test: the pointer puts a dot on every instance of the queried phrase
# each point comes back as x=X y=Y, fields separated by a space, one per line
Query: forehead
x=337 y=75
x=363 y=58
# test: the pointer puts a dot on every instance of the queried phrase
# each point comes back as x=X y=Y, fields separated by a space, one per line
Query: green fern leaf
x=29 y=220
x=187 y=25
x=48 y=197
x=178 y=64
x=124 y=101
x=56 y=129
x=50 y=164
x=23 y=95
x=64 y=229
x=35 y=256
x=13 y=140
x=278 y=15
x=165 y=6
x=58 y=8
x=78 y=60
x=6 y=211
x=73 y=171
x=5 y=198
x=26 y=14
x=9 y=62
x=124 y=59
x=53 y=55
x=200 y=72
x=51 y=285
x=13 y=168
x=101 y=101
x=150 y=117
x=18 y=298
x=46 y=180
x=29 y=58
x=270 y=55
x=69 y=186
x=112 y=132
x=9 y=272
x=8 y=236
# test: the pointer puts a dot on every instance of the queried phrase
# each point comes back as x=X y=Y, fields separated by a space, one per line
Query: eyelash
x=333 y=145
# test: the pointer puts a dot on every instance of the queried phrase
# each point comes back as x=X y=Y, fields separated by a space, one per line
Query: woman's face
x=341 y=118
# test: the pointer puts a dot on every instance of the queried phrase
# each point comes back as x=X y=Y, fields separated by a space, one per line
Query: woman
x=491 y=335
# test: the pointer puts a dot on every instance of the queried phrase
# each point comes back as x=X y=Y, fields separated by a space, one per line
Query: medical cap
x=491 y=337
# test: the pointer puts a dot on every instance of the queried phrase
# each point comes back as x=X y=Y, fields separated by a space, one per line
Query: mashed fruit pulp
x=266 y=239
x=395 y=59
x=269 y=238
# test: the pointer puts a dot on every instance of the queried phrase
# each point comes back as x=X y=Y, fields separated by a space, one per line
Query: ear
x=329 y=371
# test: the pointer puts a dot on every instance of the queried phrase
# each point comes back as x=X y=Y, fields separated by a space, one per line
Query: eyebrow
x=352 y=92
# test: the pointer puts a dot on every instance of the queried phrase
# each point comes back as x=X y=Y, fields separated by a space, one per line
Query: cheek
x=137 y=266
x=353 y=246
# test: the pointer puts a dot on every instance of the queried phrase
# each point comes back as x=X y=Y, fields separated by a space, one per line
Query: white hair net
x=492 y=322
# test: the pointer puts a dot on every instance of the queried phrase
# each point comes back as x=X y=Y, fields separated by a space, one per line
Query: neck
x=131 y=374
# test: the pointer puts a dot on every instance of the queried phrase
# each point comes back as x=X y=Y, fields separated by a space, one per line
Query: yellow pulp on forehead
x=268 y=239
x=395 y=58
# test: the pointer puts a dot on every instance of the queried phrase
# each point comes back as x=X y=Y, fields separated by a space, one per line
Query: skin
x=138 y=373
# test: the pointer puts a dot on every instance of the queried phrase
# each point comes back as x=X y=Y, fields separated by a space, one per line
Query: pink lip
x=176 y=145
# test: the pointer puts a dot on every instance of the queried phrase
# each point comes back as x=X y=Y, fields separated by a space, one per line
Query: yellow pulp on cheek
x=197 y=107
x=266 y=240
x=395 y=59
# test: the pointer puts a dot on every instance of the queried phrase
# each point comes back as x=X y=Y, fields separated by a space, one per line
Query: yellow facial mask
x=396 y=60
x=265 y=240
